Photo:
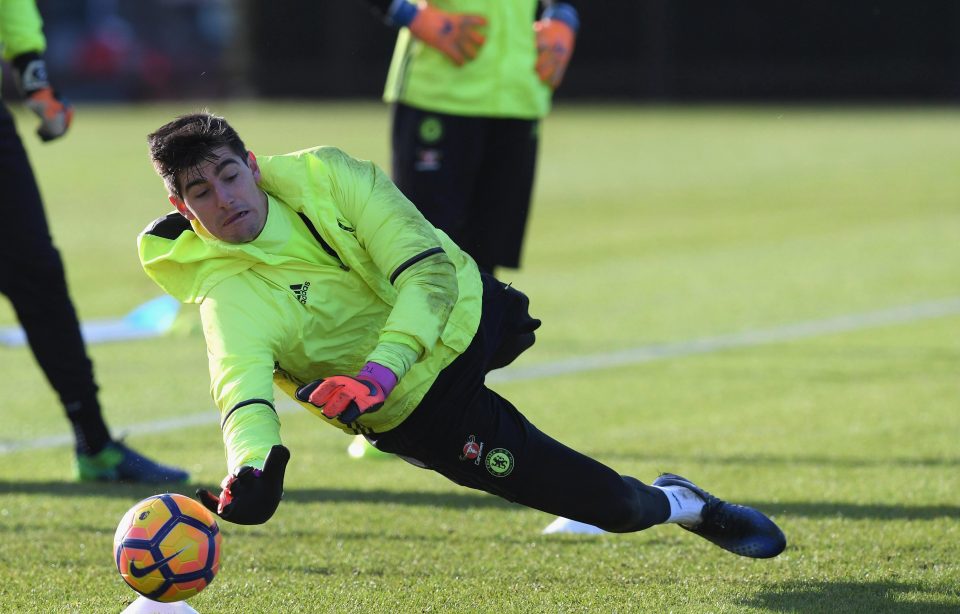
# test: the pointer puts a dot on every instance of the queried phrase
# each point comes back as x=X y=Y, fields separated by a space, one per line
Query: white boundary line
x=750 y=338
x=605 y=360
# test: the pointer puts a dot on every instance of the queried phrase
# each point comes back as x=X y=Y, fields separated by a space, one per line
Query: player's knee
x=510 y=348
x=518 y=329
x=39 y=275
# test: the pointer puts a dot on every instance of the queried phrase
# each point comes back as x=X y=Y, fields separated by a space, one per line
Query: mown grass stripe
x=790 y=332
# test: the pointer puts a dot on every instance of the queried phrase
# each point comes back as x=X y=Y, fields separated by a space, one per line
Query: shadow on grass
x=774 y=460
x=467 y=499
x=92 y=489
x=461 y=500
x=857 y=511
x=841 y=597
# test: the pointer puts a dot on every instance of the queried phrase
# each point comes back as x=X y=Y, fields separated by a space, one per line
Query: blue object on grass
x=151 y=319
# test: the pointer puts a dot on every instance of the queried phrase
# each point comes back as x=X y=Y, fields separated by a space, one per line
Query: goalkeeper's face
x=224 y=195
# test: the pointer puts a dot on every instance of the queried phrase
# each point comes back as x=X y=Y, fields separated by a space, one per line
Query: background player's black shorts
x=476 y=438
x=472 y=177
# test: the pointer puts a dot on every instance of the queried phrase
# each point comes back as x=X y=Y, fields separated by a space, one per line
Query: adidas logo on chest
x=300 y=291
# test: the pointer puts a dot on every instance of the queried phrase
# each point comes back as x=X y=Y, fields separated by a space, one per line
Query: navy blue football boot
x=118 y=463
x=740 y=529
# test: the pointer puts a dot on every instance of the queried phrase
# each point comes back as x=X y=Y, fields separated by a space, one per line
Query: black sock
x=89 y=429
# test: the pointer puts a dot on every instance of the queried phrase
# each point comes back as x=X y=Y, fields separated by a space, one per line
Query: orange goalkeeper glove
x=347 y=398
x=55 y=114
x=456 y=35
x=556 y=33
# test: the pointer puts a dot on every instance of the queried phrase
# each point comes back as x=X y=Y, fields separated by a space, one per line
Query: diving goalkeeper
x=312 y=271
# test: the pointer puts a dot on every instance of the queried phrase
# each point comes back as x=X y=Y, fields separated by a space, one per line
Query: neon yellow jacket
x=376 y=282
x=500 y=82
x=21 y=28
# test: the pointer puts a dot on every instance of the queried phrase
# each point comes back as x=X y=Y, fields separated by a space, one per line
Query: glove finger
x=473 y=35
x=325 y=393
x=558 y=77
x=471 y=47
x=52 y=129
x=473 y=21
x=543 y=70
x=452 y=52
x=550 y=67
x=66 y=118
x=303 y=392
x=337 y=402
x=529 y=325
x=466 y=50
x=318 y=393
x=208 y=499
x=276 y=462
x=350 y=414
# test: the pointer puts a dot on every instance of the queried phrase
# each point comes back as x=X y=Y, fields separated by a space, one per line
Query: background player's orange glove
x=457 y=35
x=347 y=398
x=556 y=33
x=55 y=114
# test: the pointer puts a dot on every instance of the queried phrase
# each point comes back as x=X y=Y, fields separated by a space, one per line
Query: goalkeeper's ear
x=181 y=206
x=254 y=167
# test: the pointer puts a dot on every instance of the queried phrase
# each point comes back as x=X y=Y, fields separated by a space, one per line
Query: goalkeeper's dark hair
x=189 y=141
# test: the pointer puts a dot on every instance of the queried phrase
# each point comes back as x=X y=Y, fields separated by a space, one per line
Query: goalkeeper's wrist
x=380 y=374
x=32 y=72
x=564 y=13
x=402 y=13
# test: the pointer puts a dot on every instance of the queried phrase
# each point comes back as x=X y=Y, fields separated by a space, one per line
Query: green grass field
x=651 y=227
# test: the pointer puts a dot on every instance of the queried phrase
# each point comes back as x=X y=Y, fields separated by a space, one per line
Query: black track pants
x=32 y=275
x=476 y=438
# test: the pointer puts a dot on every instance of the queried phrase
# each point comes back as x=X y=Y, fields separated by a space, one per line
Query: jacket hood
x=186 y=261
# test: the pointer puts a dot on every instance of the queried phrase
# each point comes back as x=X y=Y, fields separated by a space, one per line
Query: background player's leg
x=33 y=279
x=435 y=163
x=501 y=202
